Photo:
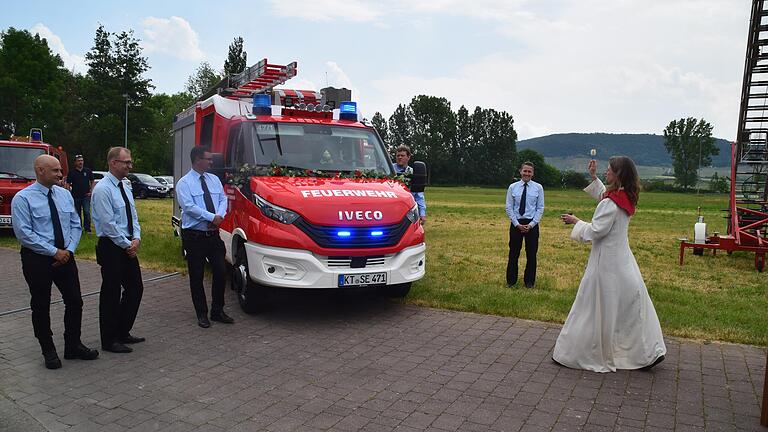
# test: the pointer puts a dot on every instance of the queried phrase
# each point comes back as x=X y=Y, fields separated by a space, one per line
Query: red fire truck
x=314 y=201
x=16 y=167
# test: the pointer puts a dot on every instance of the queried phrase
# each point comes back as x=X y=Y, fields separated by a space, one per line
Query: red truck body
x=17 y=172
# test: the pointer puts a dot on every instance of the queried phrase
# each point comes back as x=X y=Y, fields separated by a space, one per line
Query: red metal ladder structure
x=748 y=204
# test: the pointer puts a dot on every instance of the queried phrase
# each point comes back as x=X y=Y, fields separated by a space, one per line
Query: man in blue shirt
x=525 y=206
x=402 y=156
x=46 y=225
x=203 y=206
x=117 y=225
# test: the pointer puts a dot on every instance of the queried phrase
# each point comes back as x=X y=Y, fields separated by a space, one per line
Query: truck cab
x=17 y=157
x=314 y=202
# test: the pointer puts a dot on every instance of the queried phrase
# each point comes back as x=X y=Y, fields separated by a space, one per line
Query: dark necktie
x=522 y=199
x=128 y=212
x=207 y=196
x=58 y=235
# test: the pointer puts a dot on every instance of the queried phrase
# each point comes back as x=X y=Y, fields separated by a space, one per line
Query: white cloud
x=328 y=10
x=173 y=36
x=72 y=62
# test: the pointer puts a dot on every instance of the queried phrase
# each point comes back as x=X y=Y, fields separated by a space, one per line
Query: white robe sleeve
x=602 y=221
x=596 y=189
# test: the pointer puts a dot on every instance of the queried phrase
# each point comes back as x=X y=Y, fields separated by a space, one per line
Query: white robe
x=612 y=324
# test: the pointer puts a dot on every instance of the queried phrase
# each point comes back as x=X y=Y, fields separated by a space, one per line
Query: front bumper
x=293 y=268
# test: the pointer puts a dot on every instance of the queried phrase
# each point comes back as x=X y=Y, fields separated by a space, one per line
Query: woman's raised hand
x=592 y=168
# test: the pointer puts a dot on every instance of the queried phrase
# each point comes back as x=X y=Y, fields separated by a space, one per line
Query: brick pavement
x=349 y=363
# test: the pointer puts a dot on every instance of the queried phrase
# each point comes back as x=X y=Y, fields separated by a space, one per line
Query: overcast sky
x=621 y=66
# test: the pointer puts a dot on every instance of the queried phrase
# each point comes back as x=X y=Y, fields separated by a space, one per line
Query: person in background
x=612 y=323
x=46 y=225
x=525 y=206
x=80 y=183
x=117 y=225
x=402 y=156
x=203 y=207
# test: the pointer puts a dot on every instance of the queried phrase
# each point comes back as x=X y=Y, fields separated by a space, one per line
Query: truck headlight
x=275 y=212
x=413 y=214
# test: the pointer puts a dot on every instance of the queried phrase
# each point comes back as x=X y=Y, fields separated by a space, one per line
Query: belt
x=524 y=221
x=200 y=233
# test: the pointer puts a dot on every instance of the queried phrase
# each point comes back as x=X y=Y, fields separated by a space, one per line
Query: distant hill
x=644 y=149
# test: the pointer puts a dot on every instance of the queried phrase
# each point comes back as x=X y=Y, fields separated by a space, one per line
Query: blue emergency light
x=343 y=233
x=262 y=104
x=36 y=135
x=377 y=233
x=348 y=111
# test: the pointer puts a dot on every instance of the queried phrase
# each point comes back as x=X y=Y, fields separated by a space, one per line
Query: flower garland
x=240 y=178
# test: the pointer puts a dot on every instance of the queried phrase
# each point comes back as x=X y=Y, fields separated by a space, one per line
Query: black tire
x=251 y=296
x=398 y=290
x=142 y=194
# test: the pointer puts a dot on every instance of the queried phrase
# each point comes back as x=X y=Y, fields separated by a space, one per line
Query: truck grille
x=347 y=262
x=354 y=237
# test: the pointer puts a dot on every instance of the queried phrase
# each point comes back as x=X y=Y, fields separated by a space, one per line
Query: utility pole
x=125 y=95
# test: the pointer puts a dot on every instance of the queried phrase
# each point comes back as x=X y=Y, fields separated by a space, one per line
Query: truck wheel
x=399 y=290
x=251 y=296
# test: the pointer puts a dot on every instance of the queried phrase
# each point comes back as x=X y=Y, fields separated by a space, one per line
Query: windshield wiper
x=14 y=174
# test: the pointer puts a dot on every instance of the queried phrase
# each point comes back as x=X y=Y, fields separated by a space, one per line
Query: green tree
x=236 y=59
x=380 y=124
x=32 y=82
x=434 y=132
x=690 y=144
x=543 y=172
x=202 y=80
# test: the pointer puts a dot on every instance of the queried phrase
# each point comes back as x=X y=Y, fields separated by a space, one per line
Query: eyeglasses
x=127 y=162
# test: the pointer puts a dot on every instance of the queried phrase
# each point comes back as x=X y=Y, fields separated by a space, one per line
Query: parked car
x=166 y=181
x=98 y=175
x=144 y=186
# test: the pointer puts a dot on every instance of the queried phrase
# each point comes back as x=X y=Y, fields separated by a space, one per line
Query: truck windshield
x=18 y=161
x=319 y=147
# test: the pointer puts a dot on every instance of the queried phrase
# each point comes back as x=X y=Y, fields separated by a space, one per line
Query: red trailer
x=748 y=205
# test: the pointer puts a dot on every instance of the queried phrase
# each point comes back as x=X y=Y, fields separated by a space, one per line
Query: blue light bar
x=36 y=135
x=377 y=233
x=262 y=104
x=348 y=111
x=343 y=233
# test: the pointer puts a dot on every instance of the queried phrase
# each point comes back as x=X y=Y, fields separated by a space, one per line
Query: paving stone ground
x=348 y=363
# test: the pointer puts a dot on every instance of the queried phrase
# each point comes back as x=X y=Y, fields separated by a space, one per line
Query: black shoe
x=52 y=360
x=203 y=322
x=222 y=317
x=529 y=285
x=131 y=339
x=116 y=347
x=81 y=352
x=658 y=360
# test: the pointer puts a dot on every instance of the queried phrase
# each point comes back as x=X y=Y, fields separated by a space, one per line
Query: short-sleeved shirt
x=80 y=181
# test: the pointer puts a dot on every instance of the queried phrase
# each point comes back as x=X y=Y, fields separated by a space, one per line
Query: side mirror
x=419 y=180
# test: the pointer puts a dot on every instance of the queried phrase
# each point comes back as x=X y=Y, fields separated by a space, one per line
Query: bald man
x=48 y=228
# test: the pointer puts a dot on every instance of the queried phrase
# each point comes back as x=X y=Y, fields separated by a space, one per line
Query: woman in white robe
x=612 y=323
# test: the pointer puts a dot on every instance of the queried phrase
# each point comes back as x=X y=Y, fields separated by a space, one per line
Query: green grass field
x=711 y=297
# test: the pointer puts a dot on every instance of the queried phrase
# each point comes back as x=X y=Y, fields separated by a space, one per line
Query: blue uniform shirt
x=417 y=196
x=32 y=222
x=534 y=202
x=108 y=208
x=189 y=193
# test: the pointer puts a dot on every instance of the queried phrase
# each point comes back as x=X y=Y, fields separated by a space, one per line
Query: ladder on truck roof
x=259 y=78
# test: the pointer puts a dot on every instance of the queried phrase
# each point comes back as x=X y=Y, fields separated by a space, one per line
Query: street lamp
x=125 y=95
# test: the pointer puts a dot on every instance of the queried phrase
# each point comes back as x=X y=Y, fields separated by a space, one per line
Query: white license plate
x=5 y=220
x=361 y=279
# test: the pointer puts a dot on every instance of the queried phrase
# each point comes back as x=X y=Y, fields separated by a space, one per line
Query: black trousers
x=40 y=275
x=121 y=291
x=199 y=246
x=531 y=248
